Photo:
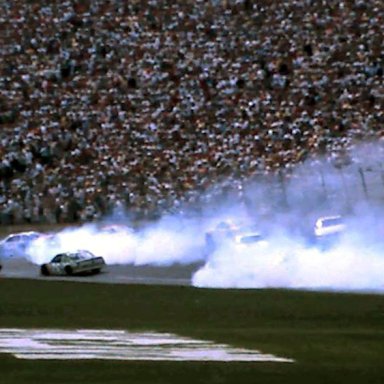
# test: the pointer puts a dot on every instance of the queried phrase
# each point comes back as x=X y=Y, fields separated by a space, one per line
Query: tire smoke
x=284 y=209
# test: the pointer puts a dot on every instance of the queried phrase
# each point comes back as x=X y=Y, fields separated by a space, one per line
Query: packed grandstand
x=149 y=104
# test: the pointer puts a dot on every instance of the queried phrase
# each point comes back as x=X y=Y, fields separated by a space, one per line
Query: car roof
x=27 y=233
x=324 y=219
x=21 y=234
x=330 y=217
x=76 y=254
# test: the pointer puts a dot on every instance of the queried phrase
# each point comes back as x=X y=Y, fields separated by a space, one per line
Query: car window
x=84 y=254
x=57 y=258
x=250 y=239
x=13 y=239
x=333 y=221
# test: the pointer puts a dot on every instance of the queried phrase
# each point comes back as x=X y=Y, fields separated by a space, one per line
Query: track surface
x=113 y=274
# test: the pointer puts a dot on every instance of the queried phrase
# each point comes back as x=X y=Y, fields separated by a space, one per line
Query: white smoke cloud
x=285 y=211
x=317 y=188
x=349 y=265
x=163 y=243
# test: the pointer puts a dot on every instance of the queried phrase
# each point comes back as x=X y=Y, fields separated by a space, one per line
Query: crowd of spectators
x=149 y=104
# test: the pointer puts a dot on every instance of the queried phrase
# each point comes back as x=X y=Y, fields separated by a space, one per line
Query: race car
x=327 y=231
x=329 y=225
x=249 y=238
x=116 y=229
x=239 y=234
x=223 y=231
x=81 y=262
x=16 y=244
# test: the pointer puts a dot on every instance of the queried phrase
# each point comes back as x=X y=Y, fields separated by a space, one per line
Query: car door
x=56 y=265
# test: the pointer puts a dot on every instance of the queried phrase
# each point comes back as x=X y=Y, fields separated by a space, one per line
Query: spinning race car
x=73 y=263
x=225 y=232
x=16 y=244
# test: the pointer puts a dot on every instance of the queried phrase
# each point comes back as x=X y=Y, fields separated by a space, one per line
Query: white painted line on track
x=120 y=345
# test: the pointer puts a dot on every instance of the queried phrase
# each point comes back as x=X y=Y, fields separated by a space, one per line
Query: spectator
x=160 y=100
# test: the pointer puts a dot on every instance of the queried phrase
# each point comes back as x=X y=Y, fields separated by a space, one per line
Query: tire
x=68 y=270
x=96 y=271
x=44 y=270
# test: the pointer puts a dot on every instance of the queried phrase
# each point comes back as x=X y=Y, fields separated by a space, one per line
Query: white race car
x=249 y=238
x=73 y=263
x=327 y=231
x=329 y=225
x=226 y=233
x=16 y=244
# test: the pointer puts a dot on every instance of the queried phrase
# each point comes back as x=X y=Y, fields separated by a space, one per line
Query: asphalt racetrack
x=114 y=274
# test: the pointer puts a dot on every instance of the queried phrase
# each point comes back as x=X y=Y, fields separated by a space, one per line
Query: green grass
x=333 y=337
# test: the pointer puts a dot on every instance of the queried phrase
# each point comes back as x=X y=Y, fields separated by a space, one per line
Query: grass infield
x=334 y=337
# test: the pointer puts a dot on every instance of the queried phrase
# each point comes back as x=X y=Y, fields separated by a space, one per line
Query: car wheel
x=68 y=270
x=44 y=270
x=96 y=270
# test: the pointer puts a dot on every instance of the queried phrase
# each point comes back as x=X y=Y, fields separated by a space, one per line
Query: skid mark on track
x=120 y=345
